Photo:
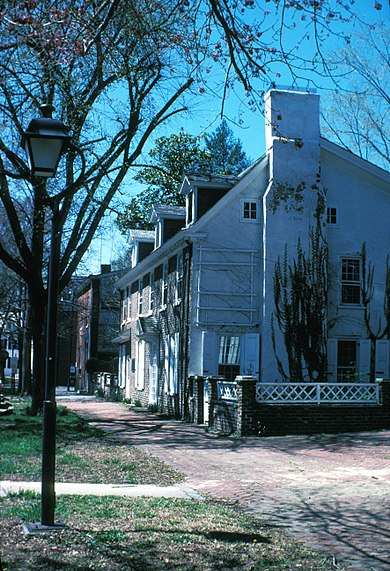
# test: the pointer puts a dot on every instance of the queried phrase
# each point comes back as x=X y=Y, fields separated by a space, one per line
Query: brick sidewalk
x=329 y=491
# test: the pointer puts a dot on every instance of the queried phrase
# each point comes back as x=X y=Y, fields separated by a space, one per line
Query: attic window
x=250 y=210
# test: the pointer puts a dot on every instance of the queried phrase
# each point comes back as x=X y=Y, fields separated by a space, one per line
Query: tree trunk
x=38 y=313
x=25 y=352
x=372 y=359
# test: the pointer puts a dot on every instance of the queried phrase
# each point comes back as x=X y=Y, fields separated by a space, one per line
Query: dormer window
x=168 y=221
x=203 y=192
x=142 y=244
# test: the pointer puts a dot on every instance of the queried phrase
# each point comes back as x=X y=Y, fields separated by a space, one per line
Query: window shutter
x=166 y=363
x=332 y=360
x=171 y=379
x=210 y=353
x=364 y=360
x=382 y=359
x=176 y=364
x=122 y=366
x=141 y=365
x=250 y=354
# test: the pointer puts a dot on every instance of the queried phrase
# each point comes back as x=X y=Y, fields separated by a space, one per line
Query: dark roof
x=167 y=211
x=122 y=338
x=141 y=236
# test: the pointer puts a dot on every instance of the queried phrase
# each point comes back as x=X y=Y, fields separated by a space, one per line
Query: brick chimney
x=292 y=135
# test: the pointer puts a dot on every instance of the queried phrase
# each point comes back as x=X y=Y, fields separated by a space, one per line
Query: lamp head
x=44 y=142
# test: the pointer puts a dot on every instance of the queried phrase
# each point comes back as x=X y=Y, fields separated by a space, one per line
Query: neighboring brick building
x=97 y=319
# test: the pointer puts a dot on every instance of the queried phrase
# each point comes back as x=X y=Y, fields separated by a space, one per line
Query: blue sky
x=246 y=124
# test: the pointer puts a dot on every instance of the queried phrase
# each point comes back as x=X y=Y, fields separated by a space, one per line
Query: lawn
x=118 y=533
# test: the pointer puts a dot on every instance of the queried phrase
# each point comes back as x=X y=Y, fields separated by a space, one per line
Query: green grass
x=119 y=533
x=151 y=534
x=21 y=441
x=84 y=453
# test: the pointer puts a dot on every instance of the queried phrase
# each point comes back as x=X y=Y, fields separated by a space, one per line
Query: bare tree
x=358 y=114
x=116 y=71
x=376 y=330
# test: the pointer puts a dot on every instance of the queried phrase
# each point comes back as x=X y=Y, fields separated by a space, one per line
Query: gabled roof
x=209 y=181
x=167 y=211
x=140 y=236
x=348 y=156
x=192 y=231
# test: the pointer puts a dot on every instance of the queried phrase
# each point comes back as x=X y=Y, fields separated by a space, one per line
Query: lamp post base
x=36 y=528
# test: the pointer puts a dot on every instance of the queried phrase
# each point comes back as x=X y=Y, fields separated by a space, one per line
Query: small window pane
x=331 y=215
x=250 y=210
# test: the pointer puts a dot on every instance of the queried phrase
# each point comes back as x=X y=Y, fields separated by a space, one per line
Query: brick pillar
x=246 y=405
x=198 y=396
x=213 y=397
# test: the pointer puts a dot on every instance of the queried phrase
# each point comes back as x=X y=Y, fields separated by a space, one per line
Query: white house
x=202 y=303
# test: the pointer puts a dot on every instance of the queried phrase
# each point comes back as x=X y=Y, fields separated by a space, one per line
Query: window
x=164 y=286
x=128 y=304
x=140 y=296
x=331 y=215
x=179 y=278
x=346 y=361
x=350 y=281
x=123 y=304
x=229 y=357
x=151 y=292
x=250 y=210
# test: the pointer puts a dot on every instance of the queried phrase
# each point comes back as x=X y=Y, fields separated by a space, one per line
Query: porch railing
x=317 y=393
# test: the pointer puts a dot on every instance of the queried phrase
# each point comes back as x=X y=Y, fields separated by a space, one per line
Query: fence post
x=198 y=395
x=246 y=405
x=213 y=398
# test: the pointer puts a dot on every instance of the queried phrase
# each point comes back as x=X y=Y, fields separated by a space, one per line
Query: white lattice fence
x=316 y=393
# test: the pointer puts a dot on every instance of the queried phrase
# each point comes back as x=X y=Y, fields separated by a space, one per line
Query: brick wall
x=224 y=415
x=246 y=417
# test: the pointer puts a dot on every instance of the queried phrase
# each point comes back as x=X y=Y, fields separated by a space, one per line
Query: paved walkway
x=330 y=491
x=77 y=489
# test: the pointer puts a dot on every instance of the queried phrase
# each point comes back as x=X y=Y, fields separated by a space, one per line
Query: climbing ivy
x=301 y=298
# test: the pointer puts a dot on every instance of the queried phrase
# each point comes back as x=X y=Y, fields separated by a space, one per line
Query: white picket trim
x=317 y=393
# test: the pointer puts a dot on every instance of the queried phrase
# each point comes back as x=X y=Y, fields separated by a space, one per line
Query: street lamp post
x=44 y=141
